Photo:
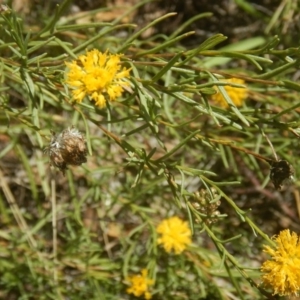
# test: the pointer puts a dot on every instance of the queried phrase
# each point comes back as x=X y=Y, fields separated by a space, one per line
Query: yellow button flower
x=282 y=271
x=175 y=234
x=97 y=75
x=140 y=285
x=237 y=95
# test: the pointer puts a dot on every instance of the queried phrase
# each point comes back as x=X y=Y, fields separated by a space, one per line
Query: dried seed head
x=67 y=148
x=281 y=172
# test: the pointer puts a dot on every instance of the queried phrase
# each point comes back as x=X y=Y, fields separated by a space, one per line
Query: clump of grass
x=164 y=149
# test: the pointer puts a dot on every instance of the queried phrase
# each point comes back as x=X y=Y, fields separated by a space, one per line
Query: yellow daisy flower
x=97 y=75
x=237 y=95
x=282 y=271
x=175 y=234
x=140 y=285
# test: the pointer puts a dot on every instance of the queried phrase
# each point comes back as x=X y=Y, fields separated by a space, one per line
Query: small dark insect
x=281 y=171
x=67 y=148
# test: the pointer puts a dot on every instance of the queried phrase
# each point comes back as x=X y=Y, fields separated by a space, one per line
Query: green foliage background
x=80 y=236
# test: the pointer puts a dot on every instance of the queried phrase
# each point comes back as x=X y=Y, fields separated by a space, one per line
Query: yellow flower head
x=140 y=284
x=175 y=234
x=97 y=75
x=237 y=95
x=282 y=271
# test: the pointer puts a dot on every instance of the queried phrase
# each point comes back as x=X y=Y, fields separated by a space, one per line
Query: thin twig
x=54 y=228
x=16 y=211
x=271 y=146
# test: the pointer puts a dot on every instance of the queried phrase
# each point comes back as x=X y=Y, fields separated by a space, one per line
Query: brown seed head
x=67 y=148
x=280 y=173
